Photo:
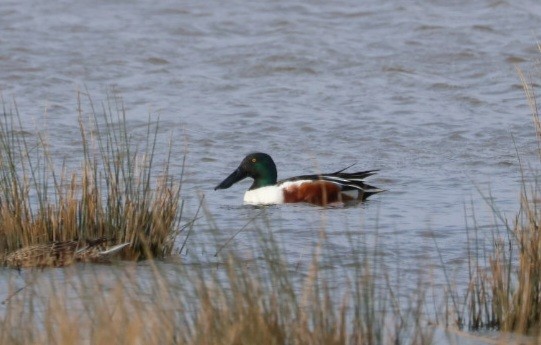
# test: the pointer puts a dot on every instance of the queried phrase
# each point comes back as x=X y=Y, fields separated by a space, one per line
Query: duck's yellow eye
x=254 y=160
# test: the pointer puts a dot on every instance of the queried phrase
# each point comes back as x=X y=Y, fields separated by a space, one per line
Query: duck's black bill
x=235 y=177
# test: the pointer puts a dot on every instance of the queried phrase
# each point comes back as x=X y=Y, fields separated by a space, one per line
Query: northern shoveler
x=321 y=189
x=62 y=253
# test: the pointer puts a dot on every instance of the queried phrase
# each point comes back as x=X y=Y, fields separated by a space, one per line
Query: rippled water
x=425 y=91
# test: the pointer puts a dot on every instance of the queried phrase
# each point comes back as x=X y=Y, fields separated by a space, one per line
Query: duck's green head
x=258 y=166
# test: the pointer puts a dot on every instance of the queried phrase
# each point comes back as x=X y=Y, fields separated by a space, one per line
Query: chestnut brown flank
x=317 y=192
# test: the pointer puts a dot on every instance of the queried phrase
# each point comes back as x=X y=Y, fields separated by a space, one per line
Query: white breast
x=264 y=196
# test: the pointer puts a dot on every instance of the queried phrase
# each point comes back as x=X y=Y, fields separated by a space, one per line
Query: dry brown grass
x=506 y=294
x=237 y=301
x=113 y=193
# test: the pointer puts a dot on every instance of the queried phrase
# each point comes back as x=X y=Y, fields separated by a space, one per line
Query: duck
x=63 y=253
x=316 y=189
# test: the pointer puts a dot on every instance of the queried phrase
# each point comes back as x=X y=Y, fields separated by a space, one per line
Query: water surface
x=425 y=91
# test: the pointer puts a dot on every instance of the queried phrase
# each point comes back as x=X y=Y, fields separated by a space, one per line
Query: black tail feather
x=348 y=181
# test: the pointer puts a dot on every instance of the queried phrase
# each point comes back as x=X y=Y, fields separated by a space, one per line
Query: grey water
x=425 y=91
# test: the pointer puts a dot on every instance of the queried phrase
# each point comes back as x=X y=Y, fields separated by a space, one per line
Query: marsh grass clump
x=112 y=192
x=515 y=268
x=505 y=286
x=505 y=295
